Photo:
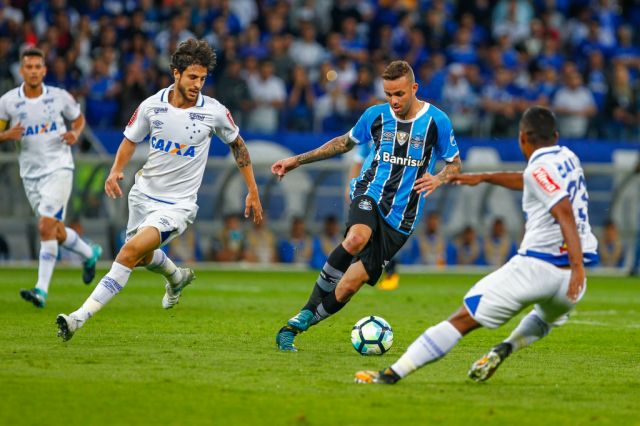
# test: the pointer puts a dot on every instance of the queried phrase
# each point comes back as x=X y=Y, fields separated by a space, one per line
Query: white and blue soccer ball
x=372 y=336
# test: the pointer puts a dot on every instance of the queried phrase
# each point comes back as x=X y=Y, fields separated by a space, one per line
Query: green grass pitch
x=213 y=358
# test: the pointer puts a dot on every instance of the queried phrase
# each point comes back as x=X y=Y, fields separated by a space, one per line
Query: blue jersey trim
x=556 y=203
x=544 y=153
x=155 y=199
x=590 y=259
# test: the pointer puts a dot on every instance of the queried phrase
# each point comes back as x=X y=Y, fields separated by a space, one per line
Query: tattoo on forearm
x=240 y=152
x=331 y=149
x=452 y=168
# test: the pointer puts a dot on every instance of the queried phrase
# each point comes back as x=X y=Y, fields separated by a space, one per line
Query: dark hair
x=397 y=69
x=193 y=52
x=540 y=126
x=31 y=51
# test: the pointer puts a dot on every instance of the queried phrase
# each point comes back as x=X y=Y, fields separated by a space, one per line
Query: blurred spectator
x=268 y=94
x=469 y=248
x=251 y=45
x=498 y=246
x=427 y=90
x=432 y=247
x=282 y=63
x=230 y=243
x=261 y=244
x=462 y=51
x=610 y=247
x=512 y=17
x=233 y=93
x=621 y=106
x=459 y=100
x=176 y=32
x=134 y=91
x=352 y=43
x=625 y=52
x=185 y=248
x=300 y=101
x=499 y=99
x=305 y=50
x=297 y=248
x=362 y=94
x=597 y=79
x=101 y=90
x=550 y=55
x=589 y=44
x=574 y=105
x=325 y=243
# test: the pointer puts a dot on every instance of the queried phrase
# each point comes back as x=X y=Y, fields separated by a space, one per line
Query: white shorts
x=49 y=194
x=523 y=281
x=170 y=220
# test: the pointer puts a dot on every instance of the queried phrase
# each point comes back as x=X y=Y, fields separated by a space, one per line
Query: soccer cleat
x=384 y=377
x=67 y=326
x=302 y=321
x=390 y=282
x=488 y=364
x=285 y=338
x=89 y=265
x=35 y=296
x=174 y=292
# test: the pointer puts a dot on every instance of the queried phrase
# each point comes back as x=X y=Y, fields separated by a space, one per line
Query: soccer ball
x=372 y=336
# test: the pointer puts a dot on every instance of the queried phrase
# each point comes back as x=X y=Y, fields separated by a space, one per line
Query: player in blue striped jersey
x=408 y=136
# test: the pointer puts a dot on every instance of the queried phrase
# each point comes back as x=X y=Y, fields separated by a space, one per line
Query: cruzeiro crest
x=402 y=137
x=417 y=141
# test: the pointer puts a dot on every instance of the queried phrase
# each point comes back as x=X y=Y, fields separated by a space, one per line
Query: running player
x=408 y=136
x=162 y=203
x=548 y=271
x=36 y=114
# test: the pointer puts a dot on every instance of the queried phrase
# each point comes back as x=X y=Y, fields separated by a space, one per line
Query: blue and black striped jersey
x=402 y=151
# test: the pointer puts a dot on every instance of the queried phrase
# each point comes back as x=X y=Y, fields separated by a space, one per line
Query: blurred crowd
x=315 y=65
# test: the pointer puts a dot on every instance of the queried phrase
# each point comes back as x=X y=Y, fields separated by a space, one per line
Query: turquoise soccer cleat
x=89 y=265
x=35 y=296
x=285 y=338
x=302 y=321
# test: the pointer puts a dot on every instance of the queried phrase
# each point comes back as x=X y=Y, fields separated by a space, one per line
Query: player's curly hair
x=193 y=52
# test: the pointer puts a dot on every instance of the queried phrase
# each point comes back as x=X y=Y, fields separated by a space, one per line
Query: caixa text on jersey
x=172 y=147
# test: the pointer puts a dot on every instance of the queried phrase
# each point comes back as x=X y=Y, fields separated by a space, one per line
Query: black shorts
x=385 y=241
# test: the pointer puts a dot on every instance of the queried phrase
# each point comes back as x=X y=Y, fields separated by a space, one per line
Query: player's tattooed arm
x=240 y=152
x=428 y=182
x=333 y=148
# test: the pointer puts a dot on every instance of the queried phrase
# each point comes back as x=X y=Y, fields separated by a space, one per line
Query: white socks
x=432 y=345
x=161 y=264
x=110 y=285
x=48 y=257
x=530 y=329
x=77 y=244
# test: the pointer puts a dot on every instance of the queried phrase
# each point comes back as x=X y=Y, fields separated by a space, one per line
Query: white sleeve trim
x=450 y=159
x=131 y=139
x=353 y=138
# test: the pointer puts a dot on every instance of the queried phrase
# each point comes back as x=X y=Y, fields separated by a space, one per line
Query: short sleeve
x=446 y=147
x=362 y=153
x=138 y=127
x=361 y=132
x=545 y=183
x=224 y=126
x=4 y=114
x=70 y=108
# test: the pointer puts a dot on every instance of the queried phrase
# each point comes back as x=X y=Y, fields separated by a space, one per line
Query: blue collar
x=165 y=96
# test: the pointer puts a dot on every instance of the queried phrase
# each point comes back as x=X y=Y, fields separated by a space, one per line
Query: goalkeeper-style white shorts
x=522 y=282
x=170 y=220
x=49 y=194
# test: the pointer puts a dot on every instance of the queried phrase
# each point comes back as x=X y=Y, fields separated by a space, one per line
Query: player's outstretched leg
x=177 y=278
x=430 y=347
x=90 y=252
x=530 y=329
x=47 y=262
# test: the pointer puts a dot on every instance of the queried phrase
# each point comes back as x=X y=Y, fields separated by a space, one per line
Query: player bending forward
x=36 y=114
x=547 y=273
x=408 y=136
x=162 y=203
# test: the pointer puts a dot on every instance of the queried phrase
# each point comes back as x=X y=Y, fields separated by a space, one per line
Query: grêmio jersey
x=555 y=173
x=402 y=151
x=41 y=150
x=179 y=140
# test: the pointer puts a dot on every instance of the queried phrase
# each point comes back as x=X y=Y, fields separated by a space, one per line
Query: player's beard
x=184 y=92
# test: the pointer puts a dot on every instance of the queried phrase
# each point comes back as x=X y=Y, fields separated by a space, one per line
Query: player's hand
x=70 y=138
x=15 y=132
x=111 y=186
x=471 y=179
x=427 y=184
x=253 y=202
x=284 y=166
x=576 y=284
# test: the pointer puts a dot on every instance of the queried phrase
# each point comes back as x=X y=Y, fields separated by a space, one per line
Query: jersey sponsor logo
x=133 y=117
x=39 y=129
x=402 y=137
x=19 y=104
x=388 y=136
x=48 y=101
x=231 y=119
x=172 y=147
x=401 y=161
x=452 y=139
x=157 y=123
x=365 y=205
x=194 y=116
x=542 y=177
x=160 y=110
x=417 y=141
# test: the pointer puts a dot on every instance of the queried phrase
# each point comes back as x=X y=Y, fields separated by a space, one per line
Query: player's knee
x=355 y=243
x=47 y=228
x=128 y=256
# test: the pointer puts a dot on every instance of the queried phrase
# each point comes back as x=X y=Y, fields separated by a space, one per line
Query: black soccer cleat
x=89 y=265
x=384 y=377
x=35 y=296
x=488 y=364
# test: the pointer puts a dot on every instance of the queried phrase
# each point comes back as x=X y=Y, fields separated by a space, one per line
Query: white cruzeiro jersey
x=41 y=150
x=179 y=141
x=554 y=173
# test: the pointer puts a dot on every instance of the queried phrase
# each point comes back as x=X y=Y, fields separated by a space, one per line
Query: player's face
x=33 y=70
x=190 y=82
x=400 y=93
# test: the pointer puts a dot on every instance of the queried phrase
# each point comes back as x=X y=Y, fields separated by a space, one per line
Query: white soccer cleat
x=67 y=326
x=174 y=292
